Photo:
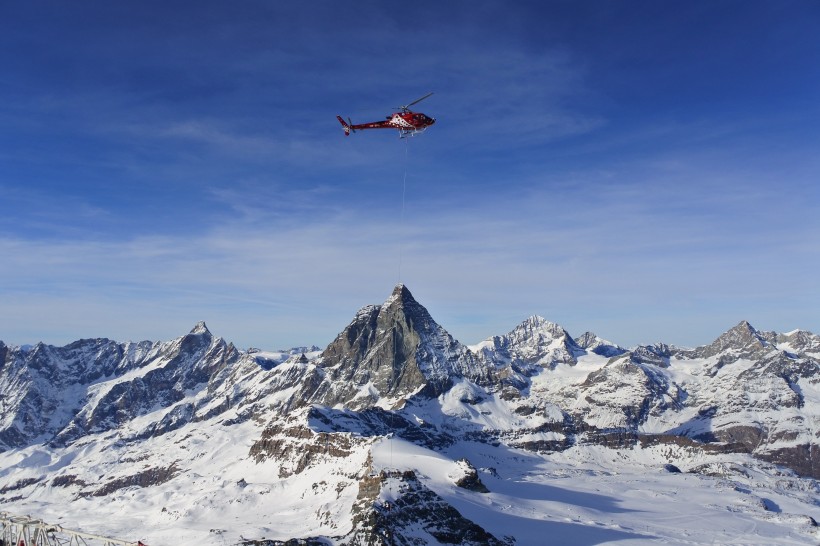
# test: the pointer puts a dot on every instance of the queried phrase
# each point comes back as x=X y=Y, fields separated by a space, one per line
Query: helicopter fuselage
x=405 y=122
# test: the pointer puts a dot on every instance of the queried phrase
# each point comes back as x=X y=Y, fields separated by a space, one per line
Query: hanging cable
x=403 y=192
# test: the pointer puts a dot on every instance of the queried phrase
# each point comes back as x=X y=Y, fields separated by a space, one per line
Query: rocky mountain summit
x=393 y=350
x=372 y=435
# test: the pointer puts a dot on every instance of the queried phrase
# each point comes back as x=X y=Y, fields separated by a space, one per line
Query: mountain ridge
x=393 y=376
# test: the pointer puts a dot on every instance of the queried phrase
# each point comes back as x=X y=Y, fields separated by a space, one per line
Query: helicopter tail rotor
x=346 y=127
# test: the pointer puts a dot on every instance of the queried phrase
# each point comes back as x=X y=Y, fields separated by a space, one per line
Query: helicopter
x=407 y=122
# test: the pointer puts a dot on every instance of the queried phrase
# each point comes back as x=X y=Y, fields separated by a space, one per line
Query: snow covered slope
x=398 y=434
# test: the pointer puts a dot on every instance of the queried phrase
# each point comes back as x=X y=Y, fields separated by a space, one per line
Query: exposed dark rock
x=803 y=343
x=657 y=355
x=293 y=442
x=145 y=478
x=470 y=481
x=68 y=480
x=525 y=410
x=20 y=484
x=510 y=393
x=291 y=542
x=803 y=459
x=749 y=436
x=4 y=351
x=720 y=470
x=379 y=422
x=642 y=390
x=683 y=441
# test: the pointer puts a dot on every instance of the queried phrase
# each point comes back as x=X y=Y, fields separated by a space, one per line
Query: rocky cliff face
x=590 y=342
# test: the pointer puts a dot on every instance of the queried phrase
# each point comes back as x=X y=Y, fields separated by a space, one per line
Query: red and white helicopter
x=407 y=122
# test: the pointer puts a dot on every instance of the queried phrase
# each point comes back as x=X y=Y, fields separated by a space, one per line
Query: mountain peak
x=743 y=333
x=402 y=307
x=393 y=350
x=535 y=341
x=200 y=328
x=401 y=294
x=743 y=327
x=537 y=322
x=742 y=340
x=540 y=328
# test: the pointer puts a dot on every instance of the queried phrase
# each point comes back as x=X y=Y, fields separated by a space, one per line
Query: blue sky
x=644 y=170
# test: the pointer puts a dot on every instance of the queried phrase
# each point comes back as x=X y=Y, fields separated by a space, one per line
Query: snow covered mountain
x=396 y=433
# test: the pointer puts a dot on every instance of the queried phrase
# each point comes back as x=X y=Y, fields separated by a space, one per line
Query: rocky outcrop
x=397 y=508
x=469 y=478
x=590 y=342
x=803 y=459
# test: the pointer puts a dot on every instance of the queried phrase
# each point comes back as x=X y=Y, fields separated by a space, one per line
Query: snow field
x=595 y=495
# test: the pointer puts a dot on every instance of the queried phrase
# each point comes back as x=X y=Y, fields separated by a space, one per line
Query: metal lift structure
x=28 y=531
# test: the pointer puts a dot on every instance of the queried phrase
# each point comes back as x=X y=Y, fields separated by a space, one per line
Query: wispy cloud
x=575 y=257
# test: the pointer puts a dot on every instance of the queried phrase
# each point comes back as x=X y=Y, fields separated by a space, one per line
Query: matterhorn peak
x=401 y=308
x=392 y=350
x=199 y=329
x=400 y=288
x=401 y=294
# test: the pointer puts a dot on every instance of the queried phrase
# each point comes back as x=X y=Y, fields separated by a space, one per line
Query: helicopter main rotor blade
x=406 y=106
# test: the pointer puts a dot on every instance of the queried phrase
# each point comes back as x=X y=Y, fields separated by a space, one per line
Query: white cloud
x=617 y=262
